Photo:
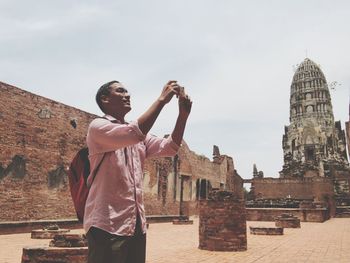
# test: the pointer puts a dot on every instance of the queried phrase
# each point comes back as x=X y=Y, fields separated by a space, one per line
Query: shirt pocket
x=120 y=157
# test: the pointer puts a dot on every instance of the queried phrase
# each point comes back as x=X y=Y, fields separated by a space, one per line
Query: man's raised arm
x=185 y=105
x=146 y=120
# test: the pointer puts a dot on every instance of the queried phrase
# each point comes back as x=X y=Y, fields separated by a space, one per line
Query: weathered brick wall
x=162 y=181
x=305 y=215
x=303 y=188
x=37 y=141
x=200 y=167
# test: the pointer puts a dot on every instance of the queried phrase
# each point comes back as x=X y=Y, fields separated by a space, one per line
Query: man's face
x=118 y=99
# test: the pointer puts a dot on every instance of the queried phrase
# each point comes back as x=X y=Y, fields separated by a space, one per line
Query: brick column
x=222 y=222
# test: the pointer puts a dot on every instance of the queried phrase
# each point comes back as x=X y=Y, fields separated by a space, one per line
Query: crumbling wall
x=163 y=176
x=38 y=138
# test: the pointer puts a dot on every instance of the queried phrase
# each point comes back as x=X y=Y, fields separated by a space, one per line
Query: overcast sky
x=235 y=58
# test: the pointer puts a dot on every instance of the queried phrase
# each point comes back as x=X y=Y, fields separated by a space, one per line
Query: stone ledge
x=319 y=215
x=162 y=218
x=16 y=227
x=286 y=220
x=266 y=230
x=182 y=222
x=343 y=215
x=47 y=234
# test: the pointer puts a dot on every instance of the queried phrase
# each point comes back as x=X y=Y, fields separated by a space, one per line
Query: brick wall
x=317 y=188
x=303 y=188
x=305 y=215
x=37 y=140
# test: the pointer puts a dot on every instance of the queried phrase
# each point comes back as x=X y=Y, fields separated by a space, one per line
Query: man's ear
x=104 y=99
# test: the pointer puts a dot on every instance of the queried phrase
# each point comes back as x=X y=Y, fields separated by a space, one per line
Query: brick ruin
x=187 y=177
x=39 y=137
x=62 y=248
x=222 y=222
x=314 y=146
x=286 y=220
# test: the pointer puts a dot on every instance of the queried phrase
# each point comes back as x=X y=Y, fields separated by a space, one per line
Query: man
x=114 y=216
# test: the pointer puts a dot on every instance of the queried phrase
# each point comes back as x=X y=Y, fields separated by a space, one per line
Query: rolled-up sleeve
x=160 y=147
x=105 y=136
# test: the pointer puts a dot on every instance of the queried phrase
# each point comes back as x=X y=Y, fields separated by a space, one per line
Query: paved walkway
x=167 y=243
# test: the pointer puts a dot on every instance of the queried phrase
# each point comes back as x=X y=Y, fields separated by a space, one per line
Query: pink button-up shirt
x=116 y=194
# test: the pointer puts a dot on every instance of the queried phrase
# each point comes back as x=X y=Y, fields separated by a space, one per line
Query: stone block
x=266 y=230
x=287 y=221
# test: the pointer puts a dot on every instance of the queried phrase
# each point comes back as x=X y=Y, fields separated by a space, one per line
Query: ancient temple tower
x=313 y=144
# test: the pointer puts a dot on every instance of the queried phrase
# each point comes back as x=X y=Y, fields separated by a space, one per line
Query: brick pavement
x=167 y=243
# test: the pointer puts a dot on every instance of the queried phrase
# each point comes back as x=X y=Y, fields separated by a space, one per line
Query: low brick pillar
x=222 y=222
x=266 y=230
x=54 y=255
x=65 y=248
x=287 y=221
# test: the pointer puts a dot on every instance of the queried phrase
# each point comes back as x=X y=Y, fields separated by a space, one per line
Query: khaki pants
x=107 y=248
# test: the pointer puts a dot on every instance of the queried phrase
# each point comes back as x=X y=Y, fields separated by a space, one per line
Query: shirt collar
x=109 y=117
x=112 y=119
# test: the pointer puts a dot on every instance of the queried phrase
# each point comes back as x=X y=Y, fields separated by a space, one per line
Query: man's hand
x=169 y=90
x=185 y=103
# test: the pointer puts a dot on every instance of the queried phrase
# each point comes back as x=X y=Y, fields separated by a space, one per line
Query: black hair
x=103 y=90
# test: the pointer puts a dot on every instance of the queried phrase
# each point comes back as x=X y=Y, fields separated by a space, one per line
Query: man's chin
x=127 y=108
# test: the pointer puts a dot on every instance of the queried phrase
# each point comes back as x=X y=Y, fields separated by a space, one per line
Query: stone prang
x=313 y=144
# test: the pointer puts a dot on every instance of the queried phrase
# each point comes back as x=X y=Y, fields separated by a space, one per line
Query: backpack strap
x=98 y=166
x=95 y=171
